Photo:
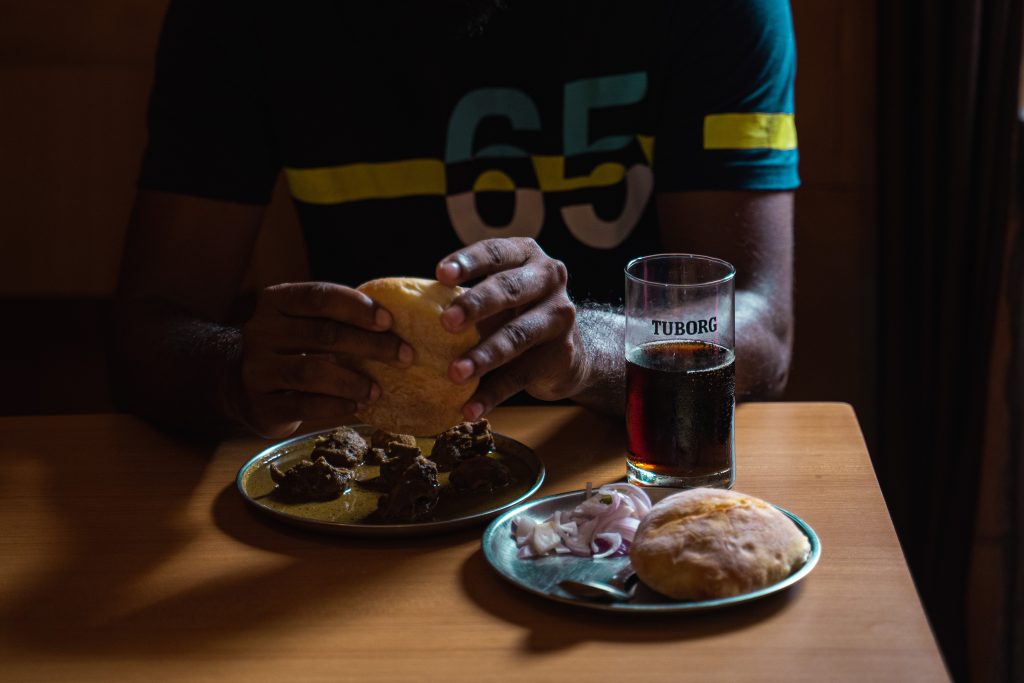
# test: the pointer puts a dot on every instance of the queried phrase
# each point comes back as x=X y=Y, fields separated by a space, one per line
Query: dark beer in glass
x=680 y=371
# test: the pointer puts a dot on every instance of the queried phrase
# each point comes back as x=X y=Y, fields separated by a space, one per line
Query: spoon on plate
x=620 y=588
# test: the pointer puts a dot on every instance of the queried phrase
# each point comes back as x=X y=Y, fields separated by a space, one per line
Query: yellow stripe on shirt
x=352 y=182
x=550 y=170
x=427 y=177
x=749 y=131
x=647 y=145
x=495 y=181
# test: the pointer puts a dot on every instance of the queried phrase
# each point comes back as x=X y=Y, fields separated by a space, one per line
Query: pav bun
x=711 y=543
x=420 y=399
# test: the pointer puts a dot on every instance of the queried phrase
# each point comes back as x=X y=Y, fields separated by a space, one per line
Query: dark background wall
x=836 y=228
x=74 y=81
x=74 y=77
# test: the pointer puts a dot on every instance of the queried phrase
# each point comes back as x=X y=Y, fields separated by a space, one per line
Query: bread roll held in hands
x=418 y=400
x=712 y=543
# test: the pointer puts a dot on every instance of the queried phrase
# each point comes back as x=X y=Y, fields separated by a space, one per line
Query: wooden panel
x=836 y=223
x=835 y=349
x=75 y=78
x=71 y=141
x=817 y=116
x=95 y=32
x=835 y=92
x=858 y=46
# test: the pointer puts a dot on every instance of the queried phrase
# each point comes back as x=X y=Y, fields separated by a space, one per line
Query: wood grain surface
x=127 y=554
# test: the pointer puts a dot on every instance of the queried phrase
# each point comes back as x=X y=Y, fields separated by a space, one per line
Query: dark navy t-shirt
x=400 y=144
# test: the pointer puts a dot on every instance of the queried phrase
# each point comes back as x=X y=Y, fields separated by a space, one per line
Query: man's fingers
x=325 y=300
x=509 y=341
x=502 y=291
x=499 y=386
x=309 y=374
x=321 y=335
x=492 y=324
x=482 y=258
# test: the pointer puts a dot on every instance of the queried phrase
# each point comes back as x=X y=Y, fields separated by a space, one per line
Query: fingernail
x=462 y=369
x=449 y=270
x=382 y=318
x=405 y=354
x=453 y=317
x=374 y=392
x=473 y=410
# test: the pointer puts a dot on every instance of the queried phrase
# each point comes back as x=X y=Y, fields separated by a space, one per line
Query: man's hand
x=294 y=352
x=528 y=324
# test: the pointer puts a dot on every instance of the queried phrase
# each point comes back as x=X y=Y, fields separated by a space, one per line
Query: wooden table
x=128 y=555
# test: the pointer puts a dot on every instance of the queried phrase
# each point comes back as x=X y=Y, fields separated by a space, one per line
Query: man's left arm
x=754 y=232
x=536 y=339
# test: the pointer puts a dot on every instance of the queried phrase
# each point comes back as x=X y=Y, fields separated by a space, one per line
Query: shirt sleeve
x=209 y=123
x=725 y=114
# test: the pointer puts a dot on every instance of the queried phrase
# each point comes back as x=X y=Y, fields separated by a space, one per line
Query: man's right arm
x=172 y=355
x=177 y=360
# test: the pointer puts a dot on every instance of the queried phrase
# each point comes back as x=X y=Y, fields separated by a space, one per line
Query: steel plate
x=345 y=515
x=541 y=576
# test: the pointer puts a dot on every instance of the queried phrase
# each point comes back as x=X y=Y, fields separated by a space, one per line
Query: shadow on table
x=552 y=626
x=116 y=586
x=132 y=497
x=113 y=579
x=587 y=439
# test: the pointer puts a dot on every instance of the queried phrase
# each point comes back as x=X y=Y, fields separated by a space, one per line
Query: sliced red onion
x=603 y=525
x=613 y=541
x=524 y=526
x=545 y=539
x=625 y=527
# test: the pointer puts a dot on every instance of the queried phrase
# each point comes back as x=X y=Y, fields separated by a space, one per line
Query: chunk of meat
x=376 y=456
x=393 y=461
x=310 y=481
x=414 y=494
x=343 y=447
x=462 y=442
x=381 y=438
x=479 y=474
x=398 y=458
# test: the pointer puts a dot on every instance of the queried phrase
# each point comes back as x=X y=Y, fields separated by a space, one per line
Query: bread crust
x=712 y=543
x=421 y=399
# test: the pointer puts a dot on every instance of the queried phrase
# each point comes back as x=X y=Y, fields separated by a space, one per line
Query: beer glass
x=680 y=371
